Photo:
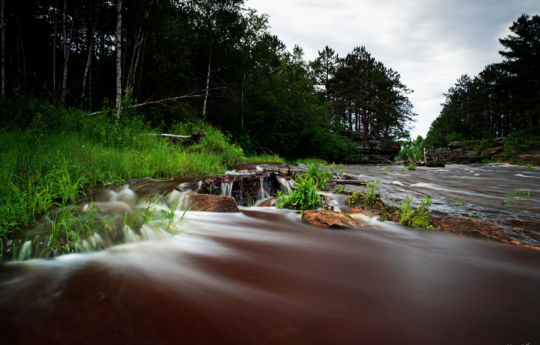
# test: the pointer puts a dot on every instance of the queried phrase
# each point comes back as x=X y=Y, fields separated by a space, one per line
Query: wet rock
x=212 y=203
x=267 y=203
x=481 y=229
x=329 y=219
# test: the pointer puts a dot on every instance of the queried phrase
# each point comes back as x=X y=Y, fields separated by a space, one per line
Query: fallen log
x=186 y=140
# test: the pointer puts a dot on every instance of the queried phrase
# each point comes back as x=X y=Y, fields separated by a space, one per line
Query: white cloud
x=431 y=43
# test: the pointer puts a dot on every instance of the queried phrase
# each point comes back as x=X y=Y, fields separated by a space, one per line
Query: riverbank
x=49 y=164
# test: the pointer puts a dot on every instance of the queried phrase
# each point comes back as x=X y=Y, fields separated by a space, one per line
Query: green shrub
x=416 y=217
x=411 y=167
x=304 y=196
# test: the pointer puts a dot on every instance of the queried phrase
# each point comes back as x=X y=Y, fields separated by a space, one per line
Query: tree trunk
x=66 y=54
x=24 y=70
x=207 y=85
x=118 y=60
x=137 y=47
x=67 y=49
x=242 y=100
x=130 y=82
x=54 y=51
x=3 y=25
x=88 y=65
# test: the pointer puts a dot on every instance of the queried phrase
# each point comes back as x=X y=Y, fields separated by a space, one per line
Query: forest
x=210 y=60
x=503 y=99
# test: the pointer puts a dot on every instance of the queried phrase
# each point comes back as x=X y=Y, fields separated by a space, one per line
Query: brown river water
x=263 y=277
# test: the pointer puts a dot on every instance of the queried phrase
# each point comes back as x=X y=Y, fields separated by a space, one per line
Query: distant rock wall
x=375 y=150
x=499 y=150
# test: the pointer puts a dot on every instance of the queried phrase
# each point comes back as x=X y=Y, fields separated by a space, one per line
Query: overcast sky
x=431 y=43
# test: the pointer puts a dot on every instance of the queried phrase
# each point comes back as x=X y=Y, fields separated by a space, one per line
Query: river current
x=262 y=277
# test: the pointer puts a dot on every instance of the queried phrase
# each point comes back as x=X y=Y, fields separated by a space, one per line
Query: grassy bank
x=47 y=164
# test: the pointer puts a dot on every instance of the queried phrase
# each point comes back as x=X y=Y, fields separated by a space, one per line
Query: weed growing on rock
x=304 y=196
x=411 y=167
x=508 y=200
x=416 y=217
x=371 y=193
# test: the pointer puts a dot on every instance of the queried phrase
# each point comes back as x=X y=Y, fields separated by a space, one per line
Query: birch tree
x=118 y=60
x=67 y=49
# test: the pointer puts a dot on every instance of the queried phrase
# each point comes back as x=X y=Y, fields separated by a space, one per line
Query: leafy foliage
x=416 y=217
x=305 y=195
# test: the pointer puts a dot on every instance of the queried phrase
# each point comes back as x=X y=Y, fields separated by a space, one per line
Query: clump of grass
x=416 y=217
x=508 y=201
x=321 y=175
x=305 y=195
x=371 y=192
x=370 y=197
x=459 y=203
x=310 y=161
x=264 y=159
x=411 y=167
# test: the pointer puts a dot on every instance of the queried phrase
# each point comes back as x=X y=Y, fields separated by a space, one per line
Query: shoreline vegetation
x=49 y=164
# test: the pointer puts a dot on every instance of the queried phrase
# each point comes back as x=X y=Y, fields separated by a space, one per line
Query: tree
x=118 y=60
x=3 y=57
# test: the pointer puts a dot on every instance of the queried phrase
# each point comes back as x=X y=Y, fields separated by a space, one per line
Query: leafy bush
x=411 y=167
x=416 y=217
x=304 y=196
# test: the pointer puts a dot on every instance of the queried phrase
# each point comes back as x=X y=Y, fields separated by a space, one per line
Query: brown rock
x=329 y=219
x=212 y=203
x=267 y=203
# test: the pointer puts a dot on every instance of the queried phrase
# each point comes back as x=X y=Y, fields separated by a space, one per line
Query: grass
x=305 y=195
x=411 y=167
x=370 y=197
x=416 y=217
x=264 y=159
x=47 y=165
x=508 y=201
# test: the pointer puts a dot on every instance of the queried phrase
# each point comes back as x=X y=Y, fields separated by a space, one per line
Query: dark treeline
x=236 y=75
x=504 y=99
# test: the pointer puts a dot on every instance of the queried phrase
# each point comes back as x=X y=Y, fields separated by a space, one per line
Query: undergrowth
x=416 y=217
x=305 y=195
x=48 y=164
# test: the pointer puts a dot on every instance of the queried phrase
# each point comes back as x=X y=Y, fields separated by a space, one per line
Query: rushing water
x=263 y=277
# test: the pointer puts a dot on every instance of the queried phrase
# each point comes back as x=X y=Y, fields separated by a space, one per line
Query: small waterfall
x=262 y=194
x=129 y=235
x=178 y=199
x=26 y=251
x=226 y=188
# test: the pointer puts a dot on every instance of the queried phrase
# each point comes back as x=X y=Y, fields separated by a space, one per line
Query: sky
x=431 y=43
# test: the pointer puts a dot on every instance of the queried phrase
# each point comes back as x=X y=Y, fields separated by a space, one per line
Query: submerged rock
x=212 y=203
x=329 y=219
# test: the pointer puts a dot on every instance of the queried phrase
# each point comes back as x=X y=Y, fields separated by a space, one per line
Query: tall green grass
x=48 y=163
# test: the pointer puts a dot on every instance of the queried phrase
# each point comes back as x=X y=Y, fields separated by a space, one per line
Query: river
x=262 y=277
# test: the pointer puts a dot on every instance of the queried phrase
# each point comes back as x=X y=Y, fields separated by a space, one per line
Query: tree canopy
x=503 y=99
x=219 y=54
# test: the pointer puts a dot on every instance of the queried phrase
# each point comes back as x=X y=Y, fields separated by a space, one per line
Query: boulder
x=329 y=219
x=212 y=203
